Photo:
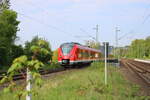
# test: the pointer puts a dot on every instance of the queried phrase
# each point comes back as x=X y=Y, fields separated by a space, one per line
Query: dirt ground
x=132 y=77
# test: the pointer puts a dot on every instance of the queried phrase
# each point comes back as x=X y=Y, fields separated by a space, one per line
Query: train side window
x=79 y=55
x=82 y=55
x=92 y=55
x=87 y=54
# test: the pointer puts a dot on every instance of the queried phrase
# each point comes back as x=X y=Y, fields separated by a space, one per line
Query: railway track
x=22 y=74
x=141 y=69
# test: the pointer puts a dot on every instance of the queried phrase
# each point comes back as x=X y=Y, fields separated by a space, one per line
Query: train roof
x=88 y=48
x=71 y=43
x=82 y=46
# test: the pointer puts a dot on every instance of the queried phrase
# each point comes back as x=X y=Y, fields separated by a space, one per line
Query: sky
x=60 y=21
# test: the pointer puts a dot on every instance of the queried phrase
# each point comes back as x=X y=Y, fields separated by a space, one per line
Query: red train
x=76 y=54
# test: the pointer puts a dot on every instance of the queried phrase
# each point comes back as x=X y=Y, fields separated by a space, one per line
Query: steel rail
x=140 y=72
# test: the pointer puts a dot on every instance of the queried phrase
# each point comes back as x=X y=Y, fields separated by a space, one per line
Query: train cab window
x=66 y=48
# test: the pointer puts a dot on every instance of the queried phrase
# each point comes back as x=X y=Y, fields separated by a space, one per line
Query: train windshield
x=66 y=48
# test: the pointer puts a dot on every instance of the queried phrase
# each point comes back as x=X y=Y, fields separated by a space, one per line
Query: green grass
x=51 y=66
x=85 y=84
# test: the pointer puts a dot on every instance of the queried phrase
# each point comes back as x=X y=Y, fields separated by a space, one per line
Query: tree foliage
x=16 y=51
x=4 y=4
x=32 y=63
x=139 y=48
x=8 y=35
x=9 y=27
x=33 y=46
x=92 y=44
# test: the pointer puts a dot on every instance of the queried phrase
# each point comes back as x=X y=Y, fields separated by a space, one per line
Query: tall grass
x=85 y=84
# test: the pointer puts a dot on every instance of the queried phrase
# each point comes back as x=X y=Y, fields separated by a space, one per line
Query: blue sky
x=60 y=21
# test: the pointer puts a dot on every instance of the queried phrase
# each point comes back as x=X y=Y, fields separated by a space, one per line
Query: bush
x=45 y=58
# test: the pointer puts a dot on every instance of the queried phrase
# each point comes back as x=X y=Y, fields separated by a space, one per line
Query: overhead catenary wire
x=58 y=29
x=43 y=23
x=145 y=17
x=47 y=25
x=87 y=34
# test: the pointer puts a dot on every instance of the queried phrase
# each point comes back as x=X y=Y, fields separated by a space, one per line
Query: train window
x=66 y=48
x=79 y=55
x=87 y=54
x=92 y=55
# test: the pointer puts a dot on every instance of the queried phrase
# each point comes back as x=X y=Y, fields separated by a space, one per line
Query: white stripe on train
x=81 y=61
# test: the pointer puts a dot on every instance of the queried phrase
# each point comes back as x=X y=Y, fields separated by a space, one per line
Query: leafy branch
x=32 y=67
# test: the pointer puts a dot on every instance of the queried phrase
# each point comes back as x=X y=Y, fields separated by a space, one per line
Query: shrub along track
x=138 y=72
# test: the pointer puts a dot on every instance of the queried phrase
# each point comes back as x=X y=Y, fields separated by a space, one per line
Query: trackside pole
x=29 y=86
x=105 y=43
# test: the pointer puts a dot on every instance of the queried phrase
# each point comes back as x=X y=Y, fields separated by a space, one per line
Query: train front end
x=66 y=54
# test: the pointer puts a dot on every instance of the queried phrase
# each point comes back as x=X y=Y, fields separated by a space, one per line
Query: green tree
x=32 y=65
x=16 y=51
x=147 y=47
x=9 y=27
x=34 y=42
x=4 y=4
x=92 y=44
x=139 y=48
x=8 y=34
x=3 y=56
